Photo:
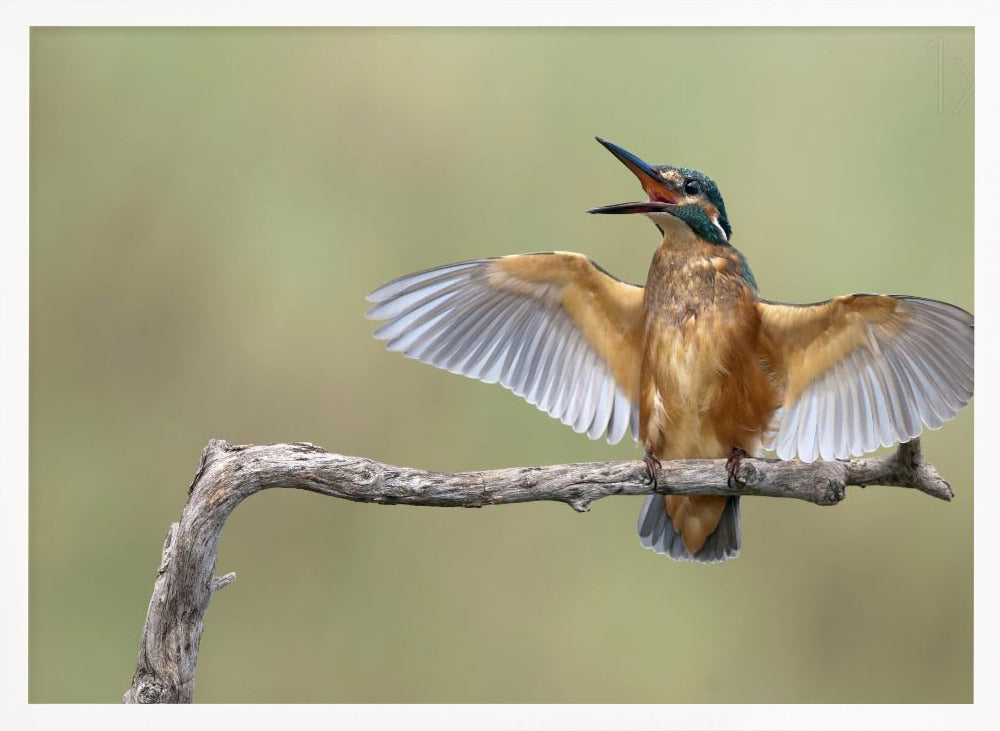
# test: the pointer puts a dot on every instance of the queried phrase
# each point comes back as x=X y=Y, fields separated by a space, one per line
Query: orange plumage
x=707 y=381
x=694 y=363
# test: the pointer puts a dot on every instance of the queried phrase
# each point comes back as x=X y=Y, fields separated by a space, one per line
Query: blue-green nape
x=745 y=269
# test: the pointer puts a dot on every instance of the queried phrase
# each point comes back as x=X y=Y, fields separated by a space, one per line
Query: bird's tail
x=656 y=531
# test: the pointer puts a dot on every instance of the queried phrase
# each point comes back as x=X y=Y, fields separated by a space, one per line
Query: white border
x=18 y=16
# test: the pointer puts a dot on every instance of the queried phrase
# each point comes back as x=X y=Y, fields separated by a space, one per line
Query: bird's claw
x=653 y=466
x=733 y=465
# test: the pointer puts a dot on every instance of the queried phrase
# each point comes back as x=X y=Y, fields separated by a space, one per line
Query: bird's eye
x=692 y=187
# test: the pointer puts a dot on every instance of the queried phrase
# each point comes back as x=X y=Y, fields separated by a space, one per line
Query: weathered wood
x=228 y=474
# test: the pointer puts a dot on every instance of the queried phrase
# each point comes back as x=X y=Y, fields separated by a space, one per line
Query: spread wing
x=553 y=328
x=866 y=370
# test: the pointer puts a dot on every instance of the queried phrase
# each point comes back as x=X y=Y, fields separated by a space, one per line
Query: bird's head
x=681 y=193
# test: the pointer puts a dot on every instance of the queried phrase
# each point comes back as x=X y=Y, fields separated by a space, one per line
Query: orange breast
x=706 y=383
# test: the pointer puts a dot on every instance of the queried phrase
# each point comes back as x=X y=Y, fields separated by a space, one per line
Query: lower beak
x=647 y=207
x=661 y=197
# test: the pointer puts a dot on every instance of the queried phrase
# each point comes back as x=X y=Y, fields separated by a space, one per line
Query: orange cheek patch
x=711 y=211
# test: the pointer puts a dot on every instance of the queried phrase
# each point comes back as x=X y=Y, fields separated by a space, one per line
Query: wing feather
x=585 y=414
x=867 y=370
x=553 y=328
x=602 y=411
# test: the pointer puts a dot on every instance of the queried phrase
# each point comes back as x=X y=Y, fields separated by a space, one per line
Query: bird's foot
x=733 y=464
x=653 y=465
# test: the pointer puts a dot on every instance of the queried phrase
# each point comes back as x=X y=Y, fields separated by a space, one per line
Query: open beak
x=661 y=196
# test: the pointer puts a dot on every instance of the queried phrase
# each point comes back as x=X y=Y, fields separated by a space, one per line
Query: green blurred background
x=208 y=210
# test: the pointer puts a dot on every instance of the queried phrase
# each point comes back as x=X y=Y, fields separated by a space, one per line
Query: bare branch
x=228 y=474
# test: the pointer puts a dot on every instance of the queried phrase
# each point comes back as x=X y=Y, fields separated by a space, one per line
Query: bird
x=695 y=364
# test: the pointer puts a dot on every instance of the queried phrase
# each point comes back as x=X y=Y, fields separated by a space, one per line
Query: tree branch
x=228 y=474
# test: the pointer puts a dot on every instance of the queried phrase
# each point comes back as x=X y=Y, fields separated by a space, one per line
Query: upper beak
x=661 y=196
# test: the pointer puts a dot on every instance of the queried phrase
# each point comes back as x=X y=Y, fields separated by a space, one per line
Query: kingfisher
x=695 y=364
